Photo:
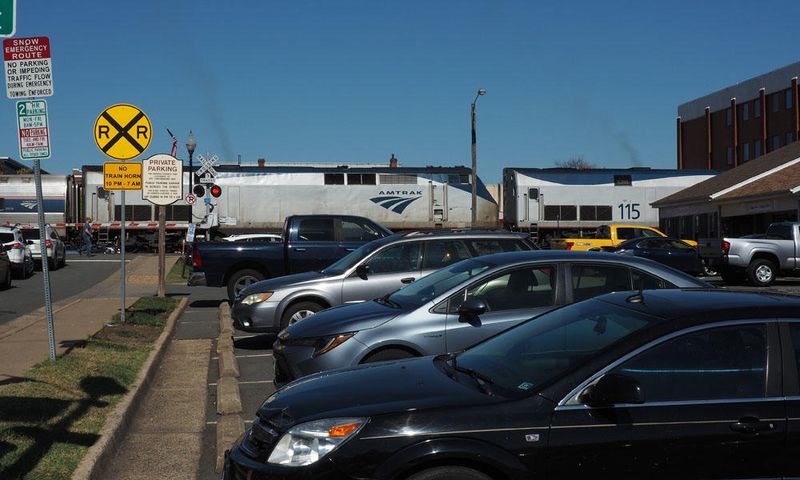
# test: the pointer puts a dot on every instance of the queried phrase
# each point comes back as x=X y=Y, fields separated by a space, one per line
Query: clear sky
x=355 y=81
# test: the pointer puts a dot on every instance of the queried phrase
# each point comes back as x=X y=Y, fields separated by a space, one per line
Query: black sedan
x=658 y=384
x=669 y=251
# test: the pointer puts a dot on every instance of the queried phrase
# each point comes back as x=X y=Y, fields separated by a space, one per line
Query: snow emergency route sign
x=29 y=71
x=122 y=176
x=122 y=131
x=34 y=132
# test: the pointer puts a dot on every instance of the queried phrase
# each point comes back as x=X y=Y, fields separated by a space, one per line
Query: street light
x=481 y=92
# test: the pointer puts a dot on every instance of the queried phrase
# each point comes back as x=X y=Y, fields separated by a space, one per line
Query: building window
x=334 y=179
x=776 y=142
x=757 y=149
x=392 y=179
x=560 y=212
x=745 y=152
x=729 y=117
x=757 y=108
x=789 y=99
x=789 y=137
x=622 y=180
x=729 y=156
x=361 y=179
x=745 y=111
x=776 y=102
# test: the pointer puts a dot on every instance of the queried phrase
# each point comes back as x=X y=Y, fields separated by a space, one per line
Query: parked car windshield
x=433 y=285
x=350 y=260
x=541 y=350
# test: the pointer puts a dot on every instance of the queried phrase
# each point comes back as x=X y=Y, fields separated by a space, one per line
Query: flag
x=174 y=151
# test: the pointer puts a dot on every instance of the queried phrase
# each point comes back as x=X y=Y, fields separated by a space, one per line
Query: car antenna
x=638 y=297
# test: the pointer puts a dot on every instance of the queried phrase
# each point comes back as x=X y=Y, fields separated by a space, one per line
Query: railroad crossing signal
x=122 y=131
x=208 y=165
x=215 y=191
x=199 y=190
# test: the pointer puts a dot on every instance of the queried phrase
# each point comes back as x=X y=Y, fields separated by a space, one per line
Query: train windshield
x=350 y=260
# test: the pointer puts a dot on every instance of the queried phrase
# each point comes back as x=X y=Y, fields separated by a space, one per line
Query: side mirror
x=362 y=271
x=613 y=388
x=468 y=311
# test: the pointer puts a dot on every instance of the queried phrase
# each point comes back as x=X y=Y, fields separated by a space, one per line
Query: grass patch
x=50 y=417
x=151 y=311
x=177 y=275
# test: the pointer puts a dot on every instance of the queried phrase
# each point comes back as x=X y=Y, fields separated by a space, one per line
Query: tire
x=298 y=312
x=63 y=259
x=761 y=272
x=450 y=473
x=388 y=354
x=242 y=279
x=7 y=283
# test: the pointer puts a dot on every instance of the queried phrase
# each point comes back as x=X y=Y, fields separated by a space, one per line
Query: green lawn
x=175 y=276
x=50 y=417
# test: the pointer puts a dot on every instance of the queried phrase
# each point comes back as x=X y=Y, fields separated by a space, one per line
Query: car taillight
x=569 y=245
x=16 y=246
x=197 y=260
x=726 y=246
x=48 y=243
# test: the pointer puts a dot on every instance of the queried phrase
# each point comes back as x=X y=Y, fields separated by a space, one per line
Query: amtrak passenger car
x=18 y=199
x=553 y=201
x=400 y=198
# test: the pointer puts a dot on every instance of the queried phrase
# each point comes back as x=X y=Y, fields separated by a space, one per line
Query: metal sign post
x=122 y=132
x=34 y=143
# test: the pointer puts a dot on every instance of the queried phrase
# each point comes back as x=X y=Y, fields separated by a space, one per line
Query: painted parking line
x=214 y=422
x=99 y=260
x=248 y=356
x=238 y=337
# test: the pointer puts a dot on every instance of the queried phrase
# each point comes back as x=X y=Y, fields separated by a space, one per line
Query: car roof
x=701 y=306
x=563 y=255
x=445 y=234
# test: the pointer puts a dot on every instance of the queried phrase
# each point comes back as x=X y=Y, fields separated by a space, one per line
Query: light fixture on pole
x=191 y=144
x=474 y=180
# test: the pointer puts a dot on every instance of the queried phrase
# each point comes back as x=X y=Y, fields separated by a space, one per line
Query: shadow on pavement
x=206 y=303
x=258 y=342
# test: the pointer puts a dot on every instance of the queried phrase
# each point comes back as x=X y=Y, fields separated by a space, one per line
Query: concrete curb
x=228 y=399
x=228 y=365
x=229 y=428
x=224 y=343
x=225 y=321
x=94 y=463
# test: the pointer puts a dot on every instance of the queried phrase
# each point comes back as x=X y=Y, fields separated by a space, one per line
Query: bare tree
x=577 y=162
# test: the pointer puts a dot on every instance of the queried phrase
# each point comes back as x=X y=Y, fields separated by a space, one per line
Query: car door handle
x=751 y=426
x=432 y=335
x=299 y=249
x=350 y=249
x=407 y=280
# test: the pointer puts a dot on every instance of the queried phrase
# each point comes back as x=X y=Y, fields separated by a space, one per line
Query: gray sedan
x=459 y=306
x=371 y=271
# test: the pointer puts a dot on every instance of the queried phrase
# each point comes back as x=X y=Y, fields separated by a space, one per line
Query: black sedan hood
x=369 y=390
x=272 y=284
x=344 y=319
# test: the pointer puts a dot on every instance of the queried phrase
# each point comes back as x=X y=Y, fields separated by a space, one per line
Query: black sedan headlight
x=308 y=442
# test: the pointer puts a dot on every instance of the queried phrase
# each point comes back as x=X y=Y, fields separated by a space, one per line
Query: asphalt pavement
x=79 y=274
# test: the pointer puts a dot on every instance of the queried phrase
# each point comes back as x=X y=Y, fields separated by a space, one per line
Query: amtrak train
x=554 y=202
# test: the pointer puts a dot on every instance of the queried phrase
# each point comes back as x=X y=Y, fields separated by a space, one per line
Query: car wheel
x=388 y=354
x=63 y=259
x=241 y=280
x=7 y=283
x=450 y=473
x=761 y=272
x=298 y=312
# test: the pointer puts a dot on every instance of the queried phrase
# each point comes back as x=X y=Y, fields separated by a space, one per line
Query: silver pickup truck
x=761 y=258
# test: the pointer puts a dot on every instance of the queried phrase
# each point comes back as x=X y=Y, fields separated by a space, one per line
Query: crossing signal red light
x=216 y=191
x=199 y=190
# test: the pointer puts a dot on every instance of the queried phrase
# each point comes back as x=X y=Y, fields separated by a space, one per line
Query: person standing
x=87 y=237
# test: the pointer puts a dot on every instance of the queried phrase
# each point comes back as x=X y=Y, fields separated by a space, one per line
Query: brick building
x=739 y=123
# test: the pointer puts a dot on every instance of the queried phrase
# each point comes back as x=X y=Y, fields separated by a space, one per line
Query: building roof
x=786 y=181
x=9 y=166
x=776 y=80
x=754 y=175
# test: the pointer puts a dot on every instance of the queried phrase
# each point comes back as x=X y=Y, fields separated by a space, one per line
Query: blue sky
x=355 y=81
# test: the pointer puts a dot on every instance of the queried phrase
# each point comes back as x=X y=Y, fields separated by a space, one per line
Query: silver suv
x=371 y=271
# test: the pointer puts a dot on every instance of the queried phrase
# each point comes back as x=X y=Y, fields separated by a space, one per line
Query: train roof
x=613 y=171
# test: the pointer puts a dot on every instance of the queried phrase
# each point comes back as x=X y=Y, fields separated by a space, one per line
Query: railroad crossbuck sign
x=122 y=176
x=122 y=132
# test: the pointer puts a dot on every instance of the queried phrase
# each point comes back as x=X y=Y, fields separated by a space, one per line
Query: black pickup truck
x=310 y=242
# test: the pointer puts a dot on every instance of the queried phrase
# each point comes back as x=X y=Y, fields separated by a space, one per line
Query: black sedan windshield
x=435 y=284
x=544 y=348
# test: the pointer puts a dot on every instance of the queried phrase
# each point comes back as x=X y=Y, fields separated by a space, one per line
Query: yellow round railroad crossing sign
x=122 y=131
